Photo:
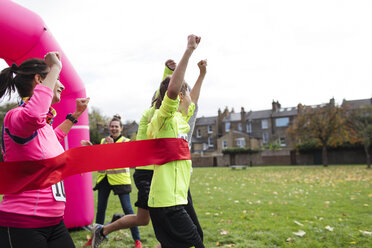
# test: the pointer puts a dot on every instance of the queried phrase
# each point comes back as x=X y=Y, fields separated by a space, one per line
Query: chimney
x=242 y=119
x=332 y=101
x=275 y=106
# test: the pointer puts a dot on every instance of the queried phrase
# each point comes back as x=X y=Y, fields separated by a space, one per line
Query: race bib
x=59 y=191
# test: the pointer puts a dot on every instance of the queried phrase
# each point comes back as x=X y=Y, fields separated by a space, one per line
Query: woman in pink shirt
x=34 y=218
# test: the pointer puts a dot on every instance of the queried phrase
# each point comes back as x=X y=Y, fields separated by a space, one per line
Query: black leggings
x=191 y=211
x=55 y=236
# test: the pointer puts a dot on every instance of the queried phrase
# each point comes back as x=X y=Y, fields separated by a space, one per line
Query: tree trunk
x=324 y=155
x=368 y=157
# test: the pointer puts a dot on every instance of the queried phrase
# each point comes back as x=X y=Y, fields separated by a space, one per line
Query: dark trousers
x=177 y=226
x=103 y=195
x=55 y=236
x=191 y=211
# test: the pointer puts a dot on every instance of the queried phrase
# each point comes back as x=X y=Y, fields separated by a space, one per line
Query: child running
x=172 y=224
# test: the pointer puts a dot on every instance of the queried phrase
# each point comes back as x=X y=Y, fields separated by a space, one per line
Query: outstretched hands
x=193 y=41
x=203 y=66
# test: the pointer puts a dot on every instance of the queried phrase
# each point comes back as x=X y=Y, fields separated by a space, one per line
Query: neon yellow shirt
x=142 y=129
x=146 y=118
x=115 y=176
x=170 y=181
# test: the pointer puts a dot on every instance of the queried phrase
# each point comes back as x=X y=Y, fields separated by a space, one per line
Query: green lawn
x=265 y=206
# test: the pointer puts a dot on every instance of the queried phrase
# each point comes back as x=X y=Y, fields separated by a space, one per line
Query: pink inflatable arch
x=24 y=35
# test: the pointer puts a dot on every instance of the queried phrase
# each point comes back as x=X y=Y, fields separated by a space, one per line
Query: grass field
x=272 y=207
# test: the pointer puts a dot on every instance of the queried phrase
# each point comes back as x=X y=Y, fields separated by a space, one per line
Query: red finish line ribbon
x=27 y=175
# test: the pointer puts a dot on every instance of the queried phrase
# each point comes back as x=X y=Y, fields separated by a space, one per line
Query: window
x=210 y=130
x=240 y=128
x=249 y=127
x=282 y=141
x=264 y=124
x=227 y=126
x=205 y=146
x=198 y=133
x=265 y=138
x=240 y=142
x=224 y=144
x=210 y=142
x=282 y=122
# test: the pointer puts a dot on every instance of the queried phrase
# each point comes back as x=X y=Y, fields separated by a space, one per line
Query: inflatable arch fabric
x=24 y=35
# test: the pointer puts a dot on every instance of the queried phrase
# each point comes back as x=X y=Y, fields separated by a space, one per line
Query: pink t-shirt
x=28 y=137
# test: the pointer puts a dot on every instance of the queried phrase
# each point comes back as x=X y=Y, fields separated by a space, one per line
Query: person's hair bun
x=117 y=116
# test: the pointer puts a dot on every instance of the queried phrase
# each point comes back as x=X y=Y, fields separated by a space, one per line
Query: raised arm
x=170 y=65
x=81 y=105
x=195 y=92
x=179 y=73
x=53 y=60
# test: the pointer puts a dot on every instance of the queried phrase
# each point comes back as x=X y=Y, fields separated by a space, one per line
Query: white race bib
x=59 y=191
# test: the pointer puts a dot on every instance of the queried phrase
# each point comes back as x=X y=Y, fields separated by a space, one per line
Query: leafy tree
x=359 y=125
x=96 y=123
x=323 y=124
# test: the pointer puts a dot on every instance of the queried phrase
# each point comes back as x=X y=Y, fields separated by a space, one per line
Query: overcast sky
x=292 y=51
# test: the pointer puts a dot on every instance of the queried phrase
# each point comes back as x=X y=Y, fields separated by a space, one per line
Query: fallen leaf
x=365 y=232
x=329 y=228
x=298 y=223
x=300 y=233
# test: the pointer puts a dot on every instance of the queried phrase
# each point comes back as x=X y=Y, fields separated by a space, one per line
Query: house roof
x=206 y=120
x=291 y=111
x=354 y=104
x=131 y=128
x=232 y=117
x=264 y=114
x=260 y=114
x=241 y=133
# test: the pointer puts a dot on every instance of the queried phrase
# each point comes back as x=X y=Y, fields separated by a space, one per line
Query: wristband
x=71 y=118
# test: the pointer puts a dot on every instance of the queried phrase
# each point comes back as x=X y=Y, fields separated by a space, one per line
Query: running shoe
x=138 y=244
x=97 y=235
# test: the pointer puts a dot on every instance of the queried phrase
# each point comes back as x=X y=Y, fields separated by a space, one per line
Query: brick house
x=205 y=135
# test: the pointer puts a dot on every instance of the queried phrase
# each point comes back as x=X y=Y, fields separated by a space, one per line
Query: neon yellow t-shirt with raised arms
x=170 y=181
